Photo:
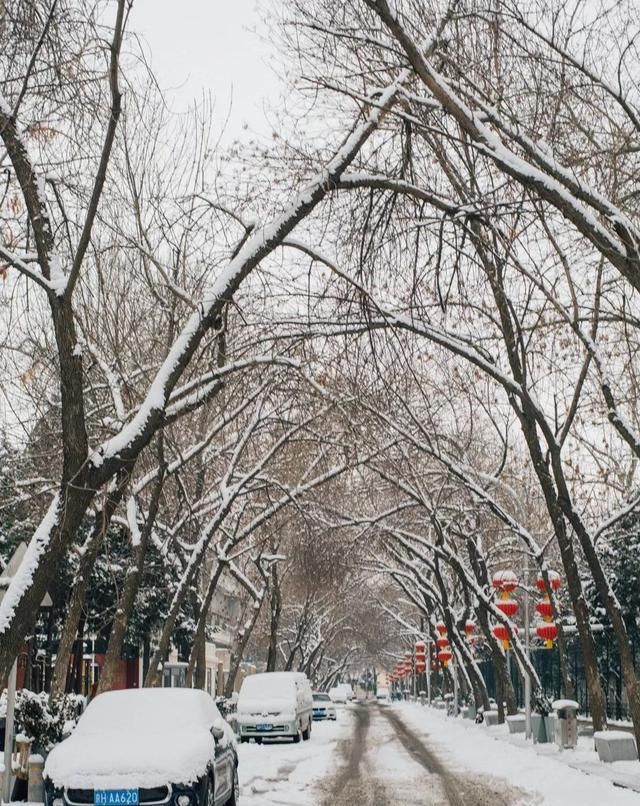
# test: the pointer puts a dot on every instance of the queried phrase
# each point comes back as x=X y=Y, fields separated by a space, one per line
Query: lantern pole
x=455 y=689
x=527 y=652
x=429 y=670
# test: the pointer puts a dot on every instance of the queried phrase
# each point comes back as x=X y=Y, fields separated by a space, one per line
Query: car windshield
x=322 y=697
x=267 y=685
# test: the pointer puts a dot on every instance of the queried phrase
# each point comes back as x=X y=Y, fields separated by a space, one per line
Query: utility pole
x=429 y=662
x=527 y=651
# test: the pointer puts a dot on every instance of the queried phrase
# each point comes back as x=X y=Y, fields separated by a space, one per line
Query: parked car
x=323 y=708
x=143 y=746
x=382 y=694
x=274 y=705
x=341 y=693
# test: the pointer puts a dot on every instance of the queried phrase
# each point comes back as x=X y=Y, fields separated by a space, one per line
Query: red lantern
x=545 y=608
x=441 y=627
x=554 y=581
x=469 y=627
x=442 y=642
x=505 y=580
x=421 y=647
x=420 y=667
x=548 y=633
x=444 y=656
x=508 y=606
x=502 y=634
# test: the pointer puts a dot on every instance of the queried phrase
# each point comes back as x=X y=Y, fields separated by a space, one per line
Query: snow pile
x=138 y=738
x=543 y=771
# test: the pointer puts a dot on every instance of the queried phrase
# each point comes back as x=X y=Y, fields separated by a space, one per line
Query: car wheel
x=306 y=734
x=296 y=738
x=234 y=800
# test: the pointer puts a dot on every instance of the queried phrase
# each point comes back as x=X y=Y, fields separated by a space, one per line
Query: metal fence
x=547 y=665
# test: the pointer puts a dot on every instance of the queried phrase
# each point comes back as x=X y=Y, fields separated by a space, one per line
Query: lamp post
x=527 y=652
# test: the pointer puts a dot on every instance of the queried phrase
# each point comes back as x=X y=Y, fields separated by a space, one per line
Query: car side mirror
x=217 y=732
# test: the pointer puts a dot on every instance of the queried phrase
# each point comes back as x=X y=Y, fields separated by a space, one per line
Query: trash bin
x=566 y=723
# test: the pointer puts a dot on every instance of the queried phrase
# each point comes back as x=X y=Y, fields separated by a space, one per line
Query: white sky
x=216 y=46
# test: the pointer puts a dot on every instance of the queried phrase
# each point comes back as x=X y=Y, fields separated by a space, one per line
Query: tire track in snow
x=459 y=788
x=425 y=757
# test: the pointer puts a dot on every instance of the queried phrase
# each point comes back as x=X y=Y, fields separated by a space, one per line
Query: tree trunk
x=275 y=601
x=81 y=585
x=199 y=639
x=480 y=693
x=608 y=599
x=238 y=651
x=572 y=574
x=77 y=666
x=130 y=590
x=556 y=497
x=146 y=654
x=121 y=620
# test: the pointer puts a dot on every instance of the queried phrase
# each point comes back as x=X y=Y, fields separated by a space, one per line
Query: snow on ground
x=403 y=779
x=543 y=771
x=287 y=773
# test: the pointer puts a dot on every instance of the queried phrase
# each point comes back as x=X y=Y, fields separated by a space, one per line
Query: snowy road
x=386 y=763
x=369 y=758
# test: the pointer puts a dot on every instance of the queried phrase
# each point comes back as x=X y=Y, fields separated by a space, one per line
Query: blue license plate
x=116 y=797
x=264 y=726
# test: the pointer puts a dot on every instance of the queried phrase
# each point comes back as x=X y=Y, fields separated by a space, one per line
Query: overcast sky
x=215 y=46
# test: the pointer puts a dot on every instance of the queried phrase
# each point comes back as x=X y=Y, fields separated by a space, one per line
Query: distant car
x=135 y=747
x=275 y=705
x=342 y=693
x=323 y=708
x=382 y=694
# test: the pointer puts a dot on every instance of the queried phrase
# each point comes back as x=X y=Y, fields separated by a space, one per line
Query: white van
x=275 y=705
x=341 y=693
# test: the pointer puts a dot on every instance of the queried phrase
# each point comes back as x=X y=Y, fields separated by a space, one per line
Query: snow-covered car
x=342 y=693
x=146 y=746
x=382 y=694
x=274 y=705
x=323 y=708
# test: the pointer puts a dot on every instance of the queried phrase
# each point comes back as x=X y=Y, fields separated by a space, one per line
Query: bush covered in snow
x=43 y=719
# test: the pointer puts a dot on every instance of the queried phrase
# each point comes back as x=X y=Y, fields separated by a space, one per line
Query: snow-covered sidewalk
x=542 y=770
x=287 y=773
